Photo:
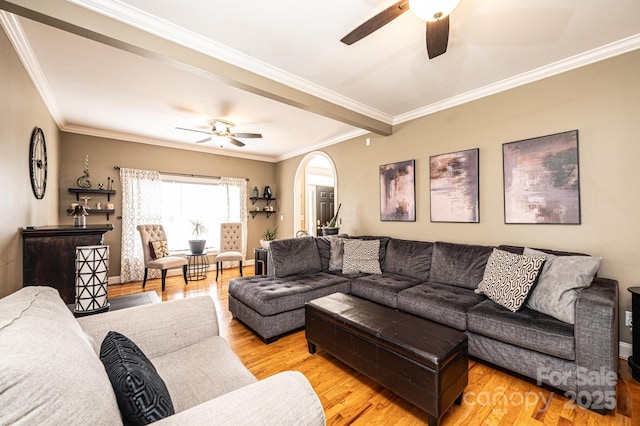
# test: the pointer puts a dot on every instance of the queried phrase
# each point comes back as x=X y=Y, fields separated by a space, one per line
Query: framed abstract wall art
x=542 y=180
x=455 y=188
x=398 y=191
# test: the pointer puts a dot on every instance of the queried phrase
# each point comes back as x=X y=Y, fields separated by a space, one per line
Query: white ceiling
x=96 y=89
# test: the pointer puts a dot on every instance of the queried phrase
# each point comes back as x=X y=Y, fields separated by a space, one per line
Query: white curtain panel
x=141 y=204
x=241 y=184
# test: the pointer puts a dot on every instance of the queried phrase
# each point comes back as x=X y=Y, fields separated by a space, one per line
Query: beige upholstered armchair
x=156 y=254
x=230 y=245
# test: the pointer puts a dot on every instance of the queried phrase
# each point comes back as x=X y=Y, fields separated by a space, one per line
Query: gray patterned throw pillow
x=509 y=277
x=361 y=256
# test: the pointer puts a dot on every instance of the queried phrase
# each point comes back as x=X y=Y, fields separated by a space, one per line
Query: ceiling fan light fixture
x=432 y=10
x=221 y=141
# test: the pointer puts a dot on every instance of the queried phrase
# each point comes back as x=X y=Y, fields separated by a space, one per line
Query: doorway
x=315 y=192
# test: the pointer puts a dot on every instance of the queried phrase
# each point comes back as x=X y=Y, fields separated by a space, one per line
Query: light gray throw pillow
x=337 y=253
x=561 y=280
x=361 y=256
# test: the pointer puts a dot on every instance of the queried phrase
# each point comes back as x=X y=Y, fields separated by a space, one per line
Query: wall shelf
x=268 y=200
x=255 y=212
x=107 y=192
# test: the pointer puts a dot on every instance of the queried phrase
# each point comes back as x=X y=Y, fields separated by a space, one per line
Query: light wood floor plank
x=492 y=397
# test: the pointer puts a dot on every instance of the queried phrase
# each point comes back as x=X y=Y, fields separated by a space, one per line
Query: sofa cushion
x=361 y=256
x=303 y=250
x=409 y=258
x=526 y=328
x=200 y=372
x=509 y=277
x=442 y=303
x=461 y=265
x=270 y=295
x=142 y=396
x=324 y=248
x=382 y=288
x=49 y=372
x=384 y=241
x=158 y=249
x=561 y=280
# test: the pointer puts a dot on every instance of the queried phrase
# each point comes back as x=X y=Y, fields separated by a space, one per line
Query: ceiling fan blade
x=236 y=142
x=246 y=135
x=437 y=37
x=205 y=140
x=193 y=130
x=377 y=22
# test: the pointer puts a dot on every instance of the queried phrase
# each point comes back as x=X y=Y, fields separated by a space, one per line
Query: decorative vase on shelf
x=267 y=192
x=255 y=192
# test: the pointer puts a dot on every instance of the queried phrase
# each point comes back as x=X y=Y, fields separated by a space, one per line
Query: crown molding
x=87 y=131
x=306 y=150
x=21 y=45
x=592 y=56
x=137 y=18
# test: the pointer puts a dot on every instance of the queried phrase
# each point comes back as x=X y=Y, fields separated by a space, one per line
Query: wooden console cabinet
x=49 y=254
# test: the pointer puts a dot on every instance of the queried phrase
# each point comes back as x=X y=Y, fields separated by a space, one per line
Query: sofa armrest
x=286 y=398
x=596 y=334
x=160 y=328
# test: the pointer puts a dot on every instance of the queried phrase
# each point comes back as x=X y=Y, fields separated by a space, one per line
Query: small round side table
x=634 y=360
x=197 y=266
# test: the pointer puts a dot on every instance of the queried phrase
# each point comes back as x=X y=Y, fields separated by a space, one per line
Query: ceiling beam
x=77 y=20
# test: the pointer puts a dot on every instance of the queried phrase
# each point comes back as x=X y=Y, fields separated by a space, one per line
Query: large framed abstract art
x=542 y=180
x=398 y=191
x=455 y=188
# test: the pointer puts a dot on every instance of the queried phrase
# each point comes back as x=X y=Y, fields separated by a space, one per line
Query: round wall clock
x=38 y=163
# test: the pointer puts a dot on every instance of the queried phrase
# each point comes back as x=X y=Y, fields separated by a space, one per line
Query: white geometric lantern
x=92 y=276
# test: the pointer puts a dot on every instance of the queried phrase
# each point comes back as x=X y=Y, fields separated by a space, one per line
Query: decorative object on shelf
x=258 y=208
x=331 y=228
x=101 y=186
x=83 y=181
x=110 y=206
x=454 y=186
x=542 y=180
x=38 y=163
x=109 y=184
x=73 y=205
x=267 y=192
x=255 y=192
x=92 y=270
x=398 y=191
x=197 y=246
x=86 y=200
x=99 y=205
x=268 y=235
x=79 y=216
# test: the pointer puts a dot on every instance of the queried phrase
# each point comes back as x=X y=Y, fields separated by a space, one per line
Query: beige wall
x=602 y=101
x=21 y=109
x=106 y=153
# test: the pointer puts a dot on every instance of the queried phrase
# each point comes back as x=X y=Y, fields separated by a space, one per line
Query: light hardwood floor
x=492 y=397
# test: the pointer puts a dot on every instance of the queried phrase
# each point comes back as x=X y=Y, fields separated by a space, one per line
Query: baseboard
x=625 y=350
x=173 y=272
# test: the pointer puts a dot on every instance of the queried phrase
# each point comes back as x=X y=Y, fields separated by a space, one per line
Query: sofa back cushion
x=294 y=256
x=409 y=258
x=324 y=248
x=50 y=373
x=461 y=265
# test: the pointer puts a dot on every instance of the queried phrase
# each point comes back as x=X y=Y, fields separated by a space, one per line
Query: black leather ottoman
x=421 y=361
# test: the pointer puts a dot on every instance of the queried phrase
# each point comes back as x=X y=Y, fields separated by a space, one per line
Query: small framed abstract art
x=455 y=187
x=398 y=191
x=542 y=180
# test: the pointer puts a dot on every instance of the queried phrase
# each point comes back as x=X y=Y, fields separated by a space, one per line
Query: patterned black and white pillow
x=141 y=393
x=361 y=256
x=508 y=278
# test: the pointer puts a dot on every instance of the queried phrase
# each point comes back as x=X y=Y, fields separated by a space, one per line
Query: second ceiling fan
x=221 y=133
x=435 y=12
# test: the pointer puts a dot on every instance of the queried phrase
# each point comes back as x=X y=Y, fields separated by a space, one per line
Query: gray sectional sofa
x=437 y=281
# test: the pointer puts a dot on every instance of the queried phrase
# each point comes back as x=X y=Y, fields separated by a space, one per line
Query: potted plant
x=267 y=236
x=197 y=246
x=331 y=228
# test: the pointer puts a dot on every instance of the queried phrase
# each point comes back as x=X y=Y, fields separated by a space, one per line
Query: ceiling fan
x=434 y=12
x=221 y=133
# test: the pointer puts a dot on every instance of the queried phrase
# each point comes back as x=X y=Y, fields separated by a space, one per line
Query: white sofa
x=50 y=371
